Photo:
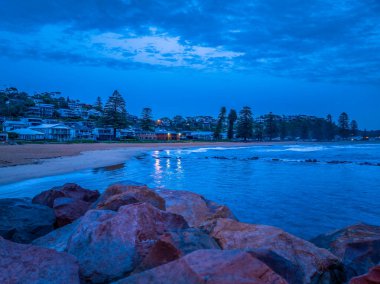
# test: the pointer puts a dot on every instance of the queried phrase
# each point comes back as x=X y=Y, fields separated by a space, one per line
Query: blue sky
x=191 y=57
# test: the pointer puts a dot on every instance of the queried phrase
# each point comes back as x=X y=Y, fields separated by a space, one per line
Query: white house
x=103 y=133
x=10 y=125
x=59 y=132
x=29 y=134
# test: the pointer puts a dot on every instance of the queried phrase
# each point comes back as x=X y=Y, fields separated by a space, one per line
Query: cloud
x=312 y=40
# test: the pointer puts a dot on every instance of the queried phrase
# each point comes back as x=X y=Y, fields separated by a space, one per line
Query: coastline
x=23 y=162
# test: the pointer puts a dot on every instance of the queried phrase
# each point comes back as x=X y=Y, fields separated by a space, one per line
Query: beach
x=22 y=162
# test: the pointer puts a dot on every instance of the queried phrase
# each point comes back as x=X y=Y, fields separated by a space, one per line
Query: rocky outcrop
x=358 y=247
x=20 y=263
x=69 y=202
x=22 y=222
x=372 y=277
x=193 y=207
x=211 y=267
x=296 y=260
x=118 y=195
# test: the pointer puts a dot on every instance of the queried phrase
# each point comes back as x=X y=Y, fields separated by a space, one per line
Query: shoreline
x=42 y=160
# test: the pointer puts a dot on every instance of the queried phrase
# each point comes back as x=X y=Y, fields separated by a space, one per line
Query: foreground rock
x=118 y=195
x=372 y=277
x=69 y=201
x=211 y=267
x=22 y=222
x=296 y=260
x=358 y=247
x=193 y=207
x=110 y=245
x=21 y=263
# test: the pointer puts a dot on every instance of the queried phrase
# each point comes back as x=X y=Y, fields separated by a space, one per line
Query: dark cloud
x=313 y=40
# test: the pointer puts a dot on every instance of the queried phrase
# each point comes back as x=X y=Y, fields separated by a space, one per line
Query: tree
x=330 y=133
x=232 y=117
x=115 y=112
x=343 y=125
x=245 y=124
x=98 y=104
x=146 y=121
x=354 y=128
x=219 y=126
x=270 y=126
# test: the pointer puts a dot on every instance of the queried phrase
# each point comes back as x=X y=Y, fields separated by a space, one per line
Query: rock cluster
x=133 y=234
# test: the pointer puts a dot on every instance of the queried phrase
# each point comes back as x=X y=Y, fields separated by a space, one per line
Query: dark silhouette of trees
x=232 y=117
x=343 y=124
x=245 y=124
x=270 y=126
x=115 y=112
x=219 y=126
x=98 y=104
x=146 y=121
x=354 y=128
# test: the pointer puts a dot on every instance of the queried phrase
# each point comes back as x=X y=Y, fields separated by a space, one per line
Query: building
x=145 y=135
x=124 y=134
x=103 y=133
x=41 y=110
x=200 y=135
x=59 y=132
x=3 y=137
x=67 y=113
x=10 y=125
x=29 y=134
x=32 y=121
x=167 y=135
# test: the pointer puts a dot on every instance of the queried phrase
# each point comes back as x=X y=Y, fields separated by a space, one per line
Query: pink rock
x=68 y=210
x=211 y=267
x=372 y=277
x=71 y=190
x=193 y=207
x=119 y=195
x=358 y=247
x=281 y=251
x=31 y=264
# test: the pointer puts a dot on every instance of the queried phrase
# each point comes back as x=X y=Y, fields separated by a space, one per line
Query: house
x=59 y=132
x=167 y=135
x=10 y=125
x=123 y=134
x=32 y=121
x=81 y=131
x=201 y=135
x=3 y=137
x=29 y=134
x=41 y=110
x=103 y=133
x=66 y=113
x=145 y=135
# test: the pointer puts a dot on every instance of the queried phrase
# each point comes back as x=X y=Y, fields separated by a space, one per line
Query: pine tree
x=330 y=133
x=270 y=126
x=232 y=117
x=99 y=104
x=343 y=125
x=245 y=124
x=115 y=112
x=221 y=119
x=146 y=121
x=354 y=128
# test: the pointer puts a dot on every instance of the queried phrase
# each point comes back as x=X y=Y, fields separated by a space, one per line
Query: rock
x=68 y=210
x=193 y=207
x=211 y=267
x=372 y=277
x=20 y=263
x=358 y=247
x=281 y=251
x=110 y=245
x=118 y=195
x=22 y=222
x=70 y=190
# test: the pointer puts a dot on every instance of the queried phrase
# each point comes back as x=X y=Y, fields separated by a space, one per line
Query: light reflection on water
x=279 y=188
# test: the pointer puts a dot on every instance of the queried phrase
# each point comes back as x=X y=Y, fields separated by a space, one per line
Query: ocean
x=305 y=189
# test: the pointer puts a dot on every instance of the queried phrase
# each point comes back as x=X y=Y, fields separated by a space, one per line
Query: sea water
x=305 y=189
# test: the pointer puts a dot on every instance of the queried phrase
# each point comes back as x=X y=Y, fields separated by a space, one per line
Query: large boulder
x=20 y=263
x=70 y=190
x=110 y=245
x=69 y=201
x=193 y=207
x=296 y=260
x=358 y=247
x=22 y=222
x=372 y=277
x=211 y=267
x=118 y=195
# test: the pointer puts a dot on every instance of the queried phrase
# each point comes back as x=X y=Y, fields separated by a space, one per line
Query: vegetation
x=146 y=121
x=245 y=124
x=232 y=117
x=219 y=126
x=115 y=112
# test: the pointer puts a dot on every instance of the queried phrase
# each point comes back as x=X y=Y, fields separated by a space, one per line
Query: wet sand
x=22 y=162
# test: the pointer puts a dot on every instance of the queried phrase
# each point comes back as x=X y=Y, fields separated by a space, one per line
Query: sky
x=191 y=57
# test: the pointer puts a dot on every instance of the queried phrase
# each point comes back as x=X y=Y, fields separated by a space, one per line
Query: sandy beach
x=22 y=162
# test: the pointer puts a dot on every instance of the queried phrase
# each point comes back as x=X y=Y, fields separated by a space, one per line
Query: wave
x=204 y=150
x=306 y=148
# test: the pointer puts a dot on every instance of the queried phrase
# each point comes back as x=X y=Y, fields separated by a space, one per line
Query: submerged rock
x=121 y=194
x=212 y=267
x=296 y=260
x=22 y=222
x=372 y=277
x=21 y=263
x=193 y=207
x=358 y=247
